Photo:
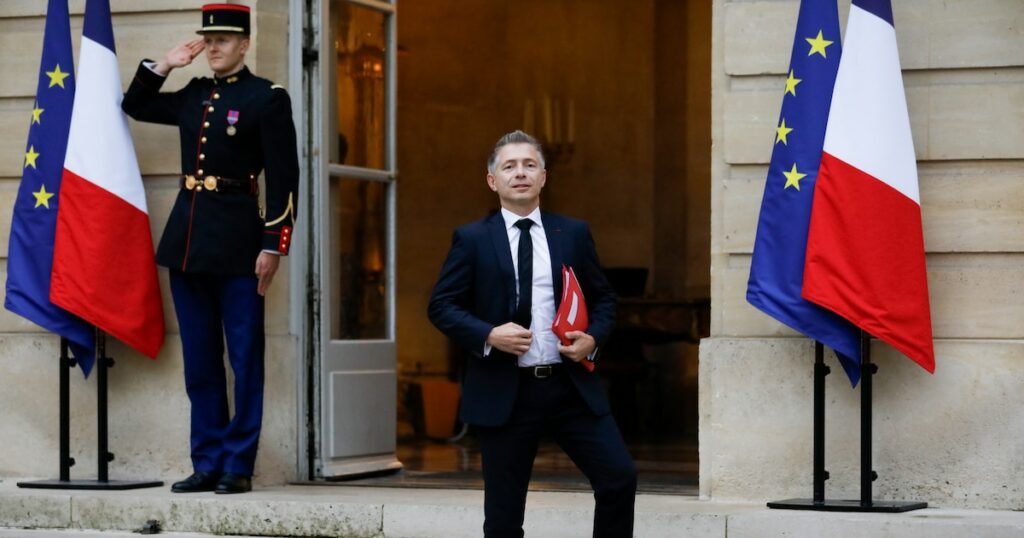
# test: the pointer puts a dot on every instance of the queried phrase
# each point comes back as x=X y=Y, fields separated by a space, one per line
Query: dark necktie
x=523 y=316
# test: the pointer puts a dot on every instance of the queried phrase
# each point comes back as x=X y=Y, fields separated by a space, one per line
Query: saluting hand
x=180 y=56
x=266 y=266
x=510 y=338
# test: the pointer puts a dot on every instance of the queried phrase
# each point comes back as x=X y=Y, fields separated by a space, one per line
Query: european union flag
x=777 y=267
x=30 y=250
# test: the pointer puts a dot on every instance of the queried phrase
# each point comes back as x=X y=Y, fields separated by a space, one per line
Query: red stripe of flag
x=105 y=272
x=865 y=259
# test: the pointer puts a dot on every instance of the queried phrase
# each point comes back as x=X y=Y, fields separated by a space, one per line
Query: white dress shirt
x=544 y=348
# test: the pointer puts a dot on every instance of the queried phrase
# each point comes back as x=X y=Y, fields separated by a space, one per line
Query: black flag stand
x=103 y=456
x=867 y=475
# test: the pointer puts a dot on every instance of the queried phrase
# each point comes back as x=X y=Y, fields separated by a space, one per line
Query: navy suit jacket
x=477 y=292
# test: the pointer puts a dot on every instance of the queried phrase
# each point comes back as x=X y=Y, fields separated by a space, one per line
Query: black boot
x=199 y=481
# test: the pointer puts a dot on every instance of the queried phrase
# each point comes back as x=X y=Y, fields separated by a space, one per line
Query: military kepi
x=230 y=18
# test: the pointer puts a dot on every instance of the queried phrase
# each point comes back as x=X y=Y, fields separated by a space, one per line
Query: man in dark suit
x=497 y=296
x=222 y=250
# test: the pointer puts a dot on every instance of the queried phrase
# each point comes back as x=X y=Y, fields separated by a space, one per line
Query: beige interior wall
x=682 y=151
x=953 y=438
x=682 y=193
x=148 y=407
x=464 y=74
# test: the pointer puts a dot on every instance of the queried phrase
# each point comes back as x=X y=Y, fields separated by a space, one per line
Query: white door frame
x=371 y=359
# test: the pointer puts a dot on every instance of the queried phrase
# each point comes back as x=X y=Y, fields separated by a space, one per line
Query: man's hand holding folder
x=571 y=322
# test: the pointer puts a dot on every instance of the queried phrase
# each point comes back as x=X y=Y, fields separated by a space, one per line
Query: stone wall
x=148 y=408
x=952 y=439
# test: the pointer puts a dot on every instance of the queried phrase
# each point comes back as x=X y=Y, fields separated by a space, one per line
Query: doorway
x=619 y=94
x=349 y=73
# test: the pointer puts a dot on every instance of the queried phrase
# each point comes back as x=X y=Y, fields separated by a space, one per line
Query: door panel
x=356 y=394
x=354 y=126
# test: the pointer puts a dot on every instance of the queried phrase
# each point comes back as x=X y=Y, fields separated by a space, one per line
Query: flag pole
x=820 y=371
x=867 y=474
x=867 y=374
x=103 y=456
x=818 y=473
x=66 y=364
x=865 y=504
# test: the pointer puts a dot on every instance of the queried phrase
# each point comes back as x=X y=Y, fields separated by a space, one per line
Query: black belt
x=219 y=184
x=542 y=371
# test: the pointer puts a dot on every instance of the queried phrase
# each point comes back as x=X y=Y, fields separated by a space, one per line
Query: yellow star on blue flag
x=31 y=156
x=42 y=197
x=793 y=178
x=818 y=45
x=791 y=83
x=57 y=77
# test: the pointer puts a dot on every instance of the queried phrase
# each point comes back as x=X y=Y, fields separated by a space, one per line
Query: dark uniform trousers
x=232 y=129
x=221 y=443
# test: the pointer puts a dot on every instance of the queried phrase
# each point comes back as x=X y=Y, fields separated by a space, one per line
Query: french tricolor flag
x=865 y=247
x=103 y=268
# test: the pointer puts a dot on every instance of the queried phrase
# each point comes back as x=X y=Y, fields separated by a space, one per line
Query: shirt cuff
x=274 y=252
x=487 y=349
x=151 y=65
x=593 y=355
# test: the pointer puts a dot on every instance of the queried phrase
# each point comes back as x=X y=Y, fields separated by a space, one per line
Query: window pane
x=357 y=86
x=358 y=259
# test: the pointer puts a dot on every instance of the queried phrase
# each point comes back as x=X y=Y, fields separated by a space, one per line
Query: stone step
x=75 y=533
x=352 y=511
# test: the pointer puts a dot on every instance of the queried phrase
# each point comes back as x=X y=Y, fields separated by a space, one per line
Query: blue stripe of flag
x=880 y=8
x=98 y=26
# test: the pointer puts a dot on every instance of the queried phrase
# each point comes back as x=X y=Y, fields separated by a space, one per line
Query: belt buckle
x=543 y=371
x=190 y=182
x=210 y=183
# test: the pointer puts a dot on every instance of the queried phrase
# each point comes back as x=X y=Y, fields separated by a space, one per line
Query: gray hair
x=515 y=137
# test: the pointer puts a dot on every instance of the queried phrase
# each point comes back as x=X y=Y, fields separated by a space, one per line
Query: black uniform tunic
x=233 y=127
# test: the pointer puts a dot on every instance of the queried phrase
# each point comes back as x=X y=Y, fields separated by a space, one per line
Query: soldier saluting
x=221 y=249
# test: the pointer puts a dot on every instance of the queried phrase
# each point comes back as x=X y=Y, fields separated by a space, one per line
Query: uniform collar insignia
x=232 y=79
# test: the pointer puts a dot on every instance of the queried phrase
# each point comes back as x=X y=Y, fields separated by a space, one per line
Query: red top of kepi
x=230 y=18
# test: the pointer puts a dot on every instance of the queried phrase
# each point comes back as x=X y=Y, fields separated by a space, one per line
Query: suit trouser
x=552 y=407
x=213 y=308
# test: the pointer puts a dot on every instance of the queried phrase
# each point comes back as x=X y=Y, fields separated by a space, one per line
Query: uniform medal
x=232 y=120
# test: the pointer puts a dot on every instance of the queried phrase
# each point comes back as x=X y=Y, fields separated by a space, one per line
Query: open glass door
x=354 y=109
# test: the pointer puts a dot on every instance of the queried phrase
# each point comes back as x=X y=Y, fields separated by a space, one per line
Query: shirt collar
x=511 y=218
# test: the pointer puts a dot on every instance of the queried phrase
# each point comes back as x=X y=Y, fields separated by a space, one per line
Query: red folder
x=572 y=313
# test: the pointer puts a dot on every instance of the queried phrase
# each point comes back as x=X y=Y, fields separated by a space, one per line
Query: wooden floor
x=665 y=467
